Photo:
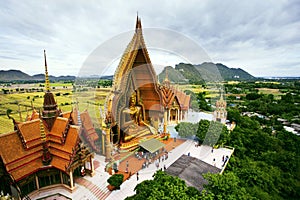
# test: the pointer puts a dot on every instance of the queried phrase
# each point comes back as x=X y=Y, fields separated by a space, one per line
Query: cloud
x=253 y=35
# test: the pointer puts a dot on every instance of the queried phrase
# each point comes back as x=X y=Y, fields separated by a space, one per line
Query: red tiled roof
x=30 y=131
x=59 y=126
x=169 y=94
x=59 y=163
x=27 y=169
x=15 y=157
x=71 y=141
x=20 y=161
x=88 y=125
x=184 y=100
x=73 y=113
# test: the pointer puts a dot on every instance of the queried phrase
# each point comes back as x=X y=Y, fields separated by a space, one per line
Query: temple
x=138 y=106
x=220 y=113
x=44 y=151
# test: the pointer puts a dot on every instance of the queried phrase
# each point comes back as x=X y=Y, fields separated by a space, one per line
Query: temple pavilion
x=138 y=106
x=44 y=151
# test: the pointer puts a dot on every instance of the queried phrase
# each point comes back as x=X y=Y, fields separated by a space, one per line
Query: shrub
x=116 y=180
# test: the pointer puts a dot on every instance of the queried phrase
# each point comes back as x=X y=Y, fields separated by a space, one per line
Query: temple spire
x=138 y=25
x=50 y=111
x=46 y=157
x=47 y=83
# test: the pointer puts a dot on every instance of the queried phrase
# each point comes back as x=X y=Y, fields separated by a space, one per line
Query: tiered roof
x=43 y=141
x=23 y=159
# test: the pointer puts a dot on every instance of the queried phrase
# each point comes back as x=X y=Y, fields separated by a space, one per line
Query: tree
x=211 y=132
x=202 y=129
x=203 y=105
x=105 y=83
x=186 y=129
x=164 y=186
x=225 y=186
x=253 y=96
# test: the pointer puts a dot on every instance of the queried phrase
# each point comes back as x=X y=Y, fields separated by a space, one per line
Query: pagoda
x=220 y=113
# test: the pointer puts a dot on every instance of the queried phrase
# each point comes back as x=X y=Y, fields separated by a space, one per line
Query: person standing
x=137 y=176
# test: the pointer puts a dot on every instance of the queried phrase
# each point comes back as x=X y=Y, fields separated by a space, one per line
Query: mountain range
x=205 y=72
x=182 y=73
x=15 y=75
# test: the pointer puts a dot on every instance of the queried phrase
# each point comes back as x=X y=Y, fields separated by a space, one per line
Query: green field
x=22 y=104
x=276 y=92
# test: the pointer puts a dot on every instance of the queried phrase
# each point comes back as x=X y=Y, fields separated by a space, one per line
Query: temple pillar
x=92 y=166
x=103 y=143
x=37 y=182
x=71 y=180
x=61 y=177
x=169 y=115
x=165 y=120
x=181 y=115
x=107 y=145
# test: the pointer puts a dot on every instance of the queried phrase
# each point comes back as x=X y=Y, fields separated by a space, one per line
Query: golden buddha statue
x=136 y=127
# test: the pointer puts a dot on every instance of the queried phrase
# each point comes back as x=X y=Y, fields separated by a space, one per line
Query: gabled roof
x=30 y=131
x=19 y=162
x=170 y=94
x=73 y=114
x=136 y=50
x=33 y=115
x=88 y=125
x=134 y=73
x=184 y=100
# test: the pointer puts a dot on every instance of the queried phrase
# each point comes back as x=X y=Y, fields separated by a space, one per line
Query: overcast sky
x=261 y=37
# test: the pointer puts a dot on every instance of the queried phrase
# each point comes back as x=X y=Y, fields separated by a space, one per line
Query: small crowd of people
x=156 y=159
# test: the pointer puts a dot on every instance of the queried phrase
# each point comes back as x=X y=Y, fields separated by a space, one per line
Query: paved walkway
x=188 y=147
x=95 y=188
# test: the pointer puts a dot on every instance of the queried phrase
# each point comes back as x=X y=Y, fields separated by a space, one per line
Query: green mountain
x=205 y=72
x=173 y=75
x=13 y=75
x=17 y=75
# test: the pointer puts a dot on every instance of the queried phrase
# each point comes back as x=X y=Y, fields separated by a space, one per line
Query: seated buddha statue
x=135 y=127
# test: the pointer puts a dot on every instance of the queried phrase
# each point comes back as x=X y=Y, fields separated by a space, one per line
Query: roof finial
x=167 y=81
x=47 y=83
x=138 y=22
x=221 y=95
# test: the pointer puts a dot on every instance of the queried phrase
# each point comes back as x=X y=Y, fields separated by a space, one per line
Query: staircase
x=99 y=191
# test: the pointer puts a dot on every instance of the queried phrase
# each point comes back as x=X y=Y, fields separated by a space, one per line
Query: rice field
x=22 y=104
x=91 y=99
